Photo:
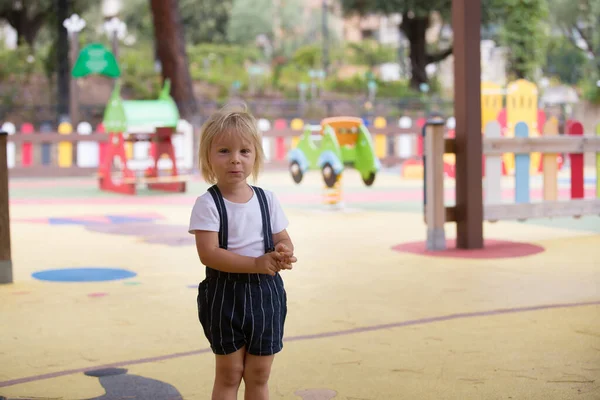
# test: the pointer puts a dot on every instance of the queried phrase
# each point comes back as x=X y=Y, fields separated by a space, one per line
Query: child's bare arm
x=211 y=255
x=283 y=238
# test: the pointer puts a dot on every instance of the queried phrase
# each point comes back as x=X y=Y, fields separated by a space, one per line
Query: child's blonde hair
x=230 y=120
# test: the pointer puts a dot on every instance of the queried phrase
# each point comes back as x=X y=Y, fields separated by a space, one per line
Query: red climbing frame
x=161 y=144
x=115 y=148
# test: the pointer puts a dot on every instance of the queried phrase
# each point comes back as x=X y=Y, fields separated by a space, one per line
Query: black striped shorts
x=238 y=310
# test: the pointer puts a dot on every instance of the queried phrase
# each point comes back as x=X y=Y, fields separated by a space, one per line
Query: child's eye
x=246 y=151
x=223 y=150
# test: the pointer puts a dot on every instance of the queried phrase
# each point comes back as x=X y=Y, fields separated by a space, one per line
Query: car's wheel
x=296 y=172
x=370 y=179
x=329 y=175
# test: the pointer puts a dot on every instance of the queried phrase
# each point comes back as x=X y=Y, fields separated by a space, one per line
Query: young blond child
x=242 y=240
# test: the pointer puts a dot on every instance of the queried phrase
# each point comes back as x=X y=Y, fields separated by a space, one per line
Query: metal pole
x=73 y=25
x=115 y=44
x=74 y=98
x=276 y=27
x=115 y=50
x=62 y=56
x=6 y=275
x=325 y=29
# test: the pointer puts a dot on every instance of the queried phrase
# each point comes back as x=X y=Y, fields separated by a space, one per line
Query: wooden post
x=466 y=25
x=434 y=165
x=493 y=167
x=5 y=257
x=550 y=163
x=598 y=166
x=577 y=182
x=522 y=167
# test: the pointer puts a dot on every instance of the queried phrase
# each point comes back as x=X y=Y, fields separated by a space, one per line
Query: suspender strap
x=218 y=198
x=223 y=233
x=266 y=219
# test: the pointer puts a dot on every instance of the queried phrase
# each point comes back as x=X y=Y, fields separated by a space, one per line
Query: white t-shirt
x=243 y=220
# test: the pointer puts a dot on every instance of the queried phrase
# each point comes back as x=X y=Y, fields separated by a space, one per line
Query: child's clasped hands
x=287 y=256
x=275 y=261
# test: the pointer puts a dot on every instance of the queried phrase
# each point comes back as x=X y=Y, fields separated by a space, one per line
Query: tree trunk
x=170 y=46
x=415 y=30
x=26 y=28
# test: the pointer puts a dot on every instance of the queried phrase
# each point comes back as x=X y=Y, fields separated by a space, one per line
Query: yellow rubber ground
x=364 y=321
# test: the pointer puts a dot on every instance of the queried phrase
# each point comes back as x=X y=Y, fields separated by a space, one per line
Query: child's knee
x=257 y=374
x=231 y=375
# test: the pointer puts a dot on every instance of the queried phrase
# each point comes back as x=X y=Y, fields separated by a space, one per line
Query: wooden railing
x=65 y=152
x=6 y=275
x=523 y=148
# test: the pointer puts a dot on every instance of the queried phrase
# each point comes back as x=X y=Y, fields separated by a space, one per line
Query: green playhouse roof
x=123 y=115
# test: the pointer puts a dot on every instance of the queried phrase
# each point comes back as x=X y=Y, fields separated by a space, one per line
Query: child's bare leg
x=228 y=375
x=256 y=376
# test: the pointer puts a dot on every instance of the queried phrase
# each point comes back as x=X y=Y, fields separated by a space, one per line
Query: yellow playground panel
x=65 y=149
x=380 y=140
x=296 y=124
x=491 y=102
x=522 y=106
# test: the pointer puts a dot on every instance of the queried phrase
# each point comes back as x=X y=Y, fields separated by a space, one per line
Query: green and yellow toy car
x=340 y=142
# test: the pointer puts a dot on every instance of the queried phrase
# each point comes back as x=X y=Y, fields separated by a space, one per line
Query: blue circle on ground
x=89 y=274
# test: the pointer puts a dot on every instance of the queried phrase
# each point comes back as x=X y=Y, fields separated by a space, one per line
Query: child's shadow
x=120 y=385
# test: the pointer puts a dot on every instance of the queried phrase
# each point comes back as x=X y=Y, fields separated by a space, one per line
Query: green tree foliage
x=205 y=21
x=420 y=8
x=307 y=57
x=278 y=20
x=564 y=61
x=524 y=32
x=28 y=18
x=371 y=53
x=579 y=22
x=593 y=88
x=138 y=18
x=521 y=22
x=416 y=19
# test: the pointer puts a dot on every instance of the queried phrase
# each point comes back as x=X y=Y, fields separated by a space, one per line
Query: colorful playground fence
x=67 y=152
x=64 y=151
x=522 y=145
x=550 y=145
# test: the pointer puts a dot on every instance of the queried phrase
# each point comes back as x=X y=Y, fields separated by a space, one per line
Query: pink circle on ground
x=491 y=249
x=97 y=294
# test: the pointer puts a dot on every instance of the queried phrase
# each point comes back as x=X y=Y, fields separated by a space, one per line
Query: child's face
x=232 y=158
